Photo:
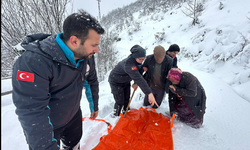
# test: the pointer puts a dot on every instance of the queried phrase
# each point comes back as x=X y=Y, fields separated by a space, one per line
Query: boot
x=117 y=110
x=124 y=108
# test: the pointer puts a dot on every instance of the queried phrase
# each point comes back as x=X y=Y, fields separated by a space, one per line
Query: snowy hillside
x=212 y=51
x=219 y=44
x=226 y=121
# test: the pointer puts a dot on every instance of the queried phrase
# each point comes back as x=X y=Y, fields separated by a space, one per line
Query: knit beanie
x=137 y=51
x=173 y=48
x=175 y=73
x=159 y=52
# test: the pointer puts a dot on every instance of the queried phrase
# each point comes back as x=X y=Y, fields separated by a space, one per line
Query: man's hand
x=94 y=115
x=151 y=100
x=135 y=86
x=145 y=69
x=172 y=87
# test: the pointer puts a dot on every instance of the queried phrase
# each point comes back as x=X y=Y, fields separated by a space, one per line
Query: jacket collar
x=68 y=53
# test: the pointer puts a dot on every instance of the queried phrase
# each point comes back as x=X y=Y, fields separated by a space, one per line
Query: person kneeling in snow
x=187 y=97
x=121 y=76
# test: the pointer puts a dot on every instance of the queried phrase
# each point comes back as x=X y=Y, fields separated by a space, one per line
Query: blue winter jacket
x=52 y=97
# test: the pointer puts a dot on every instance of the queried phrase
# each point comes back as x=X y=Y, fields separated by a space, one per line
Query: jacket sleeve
x=145 y=64
x=172 y=100
x=31 y=100
x=190 y=89
x=89 y=96
x=92 y=81
x=168 y=67
x=138 y=78
x=175 y=63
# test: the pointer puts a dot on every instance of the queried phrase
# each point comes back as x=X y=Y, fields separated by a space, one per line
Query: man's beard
x=81 y=56
x=88 y=56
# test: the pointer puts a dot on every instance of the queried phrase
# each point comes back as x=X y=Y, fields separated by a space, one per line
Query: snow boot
x=117 y=110
x=124 y=110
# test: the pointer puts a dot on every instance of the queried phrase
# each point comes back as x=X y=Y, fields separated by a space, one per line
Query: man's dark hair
x=173 y=48
x=78 y=24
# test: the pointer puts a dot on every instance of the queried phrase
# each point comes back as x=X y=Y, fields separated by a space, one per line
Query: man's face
x=90 y=46
x=173 y=54
x=159 y=60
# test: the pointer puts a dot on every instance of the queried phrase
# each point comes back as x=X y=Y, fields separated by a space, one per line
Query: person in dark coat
x=156 y=67
x=48 y=79
x=121 y=76
x=172 y=51
x=187 y=97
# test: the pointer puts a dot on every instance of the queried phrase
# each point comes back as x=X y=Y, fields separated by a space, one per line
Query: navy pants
x=121 y=94
x=71 y=133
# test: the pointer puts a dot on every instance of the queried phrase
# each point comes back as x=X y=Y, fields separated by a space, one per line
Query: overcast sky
x=106 y=6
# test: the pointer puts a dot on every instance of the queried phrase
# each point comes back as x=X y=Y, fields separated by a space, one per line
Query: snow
x=106 y=6
x=226 y=121
x=5 y=86
x=226 y=83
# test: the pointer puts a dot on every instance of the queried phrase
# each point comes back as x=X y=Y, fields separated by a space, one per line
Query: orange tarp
x=141 y=129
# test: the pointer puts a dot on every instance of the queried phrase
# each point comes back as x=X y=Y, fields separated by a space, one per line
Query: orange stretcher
x=142 y=129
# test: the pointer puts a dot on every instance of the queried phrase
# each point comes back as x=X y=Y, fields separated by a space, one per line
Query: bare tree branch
x=23 y=17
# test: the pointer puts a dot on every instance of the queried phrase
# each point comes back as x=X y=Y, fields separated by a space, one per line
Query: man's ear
x=74 y=41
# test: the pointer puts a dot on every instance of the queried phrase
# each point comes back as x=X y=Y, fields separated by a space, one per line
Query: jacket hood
x=45 y=44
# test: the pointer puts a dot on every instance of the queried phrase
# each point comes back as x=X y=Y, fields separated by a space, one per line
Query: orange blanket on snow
x=141 y=129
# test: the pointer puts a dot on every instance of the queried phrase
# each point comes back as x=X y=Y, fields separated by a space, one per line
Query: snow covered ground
x=226 y=122
x=222 y=69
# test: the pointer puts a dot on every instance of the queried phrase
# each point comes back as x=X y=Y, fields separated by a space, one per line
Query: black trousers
x=121 y=94
x=158 y=94
x=71 y=133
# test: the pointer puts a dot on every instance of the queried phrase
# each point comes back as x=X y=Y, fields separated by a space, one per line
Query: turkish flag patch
x=25 y=76
x=133 y=68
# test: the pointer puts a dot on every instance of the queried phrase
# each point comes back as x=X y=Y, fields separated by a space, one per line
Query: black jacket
x=174 y=61
x=126 y=71
x=54 y=97
x=193 y=92
x=166 y=66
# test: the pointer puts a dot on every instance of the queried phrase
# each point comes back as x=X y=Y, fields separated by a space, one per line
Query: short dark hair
x=173 y=48
x=78 y=24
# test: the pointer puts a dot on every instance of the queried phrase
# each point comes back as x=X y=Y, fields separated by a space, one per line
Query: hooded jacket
x=52 y=97
x=193 y=93
x=174 y=61
x=166 y=66
x=126 y=71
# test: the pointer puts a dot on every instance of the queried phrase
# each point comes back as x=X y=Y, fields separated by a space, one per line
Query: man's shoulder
x=188 y=76
x=168 y=59
x=150 y=56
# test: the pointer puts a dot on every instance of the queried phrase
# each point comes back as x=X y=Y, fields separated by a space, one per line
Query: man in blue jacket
x=48 y=80
x=121 y=76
